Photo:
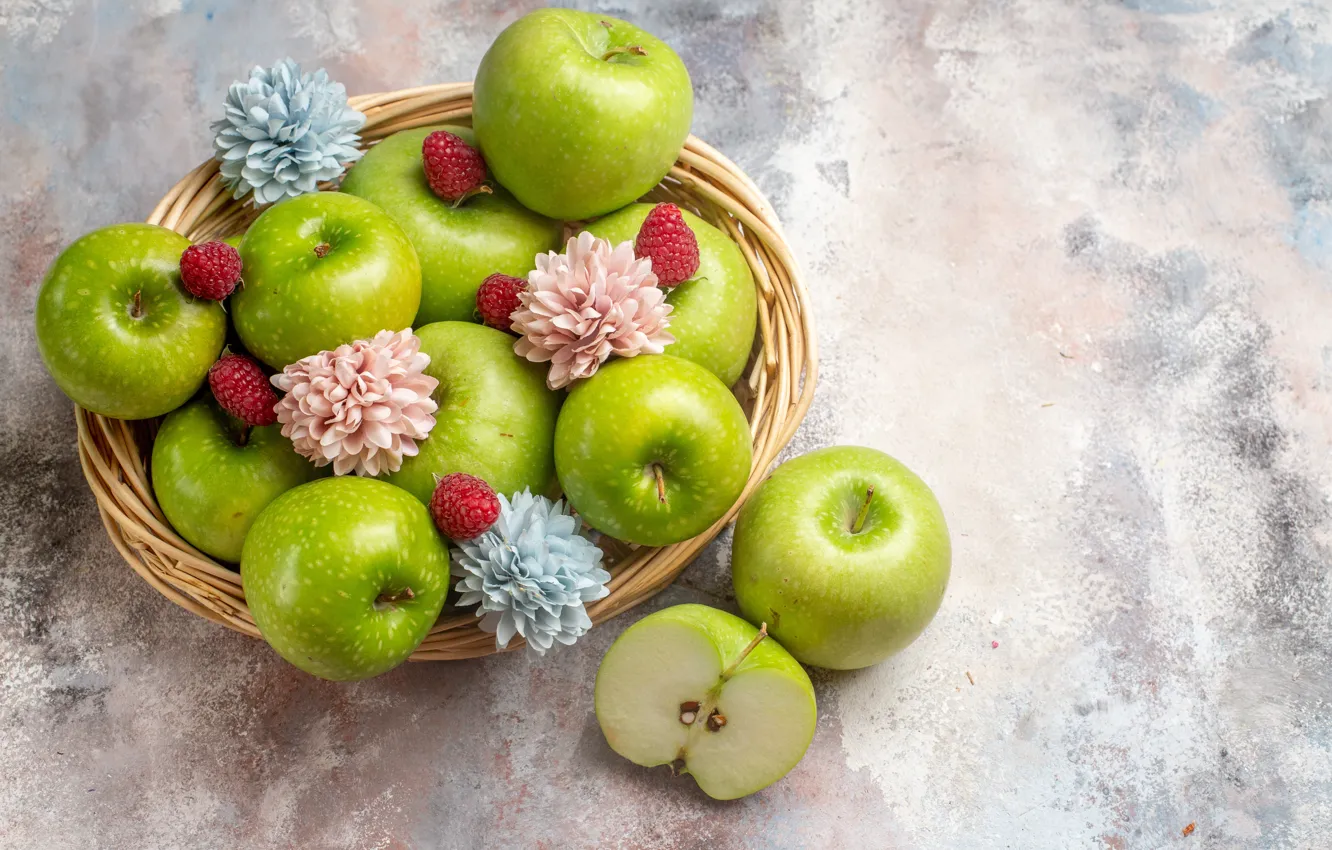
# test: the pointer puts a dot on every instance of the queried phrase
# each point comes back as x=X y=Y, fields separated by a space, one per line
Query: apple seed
x=688 y=712
x=716 y=720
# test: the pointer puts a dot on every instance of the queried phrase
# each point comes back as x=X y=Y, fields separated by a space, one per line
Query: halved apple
x=707 y=693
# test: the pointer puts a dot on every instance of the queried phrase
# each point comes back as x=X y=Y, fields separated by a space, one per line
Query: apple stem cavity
x=387 y=600
x=631 y=50
x=322 y=249
x=483 y=189
x=136 y=305
x=730 y=671
x=863 y=512
x=661 y=483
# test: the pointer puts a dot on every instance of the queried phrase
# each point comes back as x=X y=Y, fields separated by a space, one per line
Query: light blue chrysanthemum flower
x=284 y=132
x=531 y=573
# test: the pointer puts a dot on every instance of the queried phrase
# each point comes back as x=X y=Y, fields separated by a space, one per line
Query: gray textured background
x=1071 y=261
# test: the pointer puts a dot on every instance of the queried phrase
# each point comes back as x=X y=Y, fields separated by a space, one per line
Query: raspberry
x=241 y=387
x=665 y=239
x=210 y=270
x=463 y=506
x=452 y=166
x=498 y=298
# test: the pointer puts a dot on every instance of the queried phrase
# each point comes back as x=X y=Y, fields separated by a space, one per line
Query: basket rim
x=778 y=382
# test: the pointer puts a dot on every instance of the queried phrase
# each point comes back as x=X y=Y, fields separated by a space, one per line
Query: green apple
x=117 y=331
x=212 y=476
x=844 y=552
x=496 y=418
x=321 y=270
x=345 y=576
x=698 y=689
x=459 y=247
x=233 y=342
x=652 y=449
x=578 y=114
x=717 y=309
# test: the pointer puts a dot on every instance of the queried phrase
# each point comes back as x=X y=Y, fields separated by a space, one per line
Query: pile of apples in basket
x=403 y=391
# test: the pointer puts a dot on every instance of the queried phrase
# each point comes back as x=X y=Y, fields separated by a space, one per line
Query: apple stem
x=243 y=437
x=322 y=249
x=136 y=304
x=633 y=50
x=661 y=483
x=864 y=511
x=401 y=596
x=483 y=189
x=758 y=638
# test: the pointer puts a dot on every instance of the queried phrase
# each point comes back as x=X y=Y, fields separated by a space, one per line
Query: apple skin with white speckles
x=326 y=568
x=294 y=302
x=716 y=311
x=459 y=247
x=103 y=356
x=496 y=417
x=573 y=132
x=210 y=485
x=646 y=410
x=834 y=595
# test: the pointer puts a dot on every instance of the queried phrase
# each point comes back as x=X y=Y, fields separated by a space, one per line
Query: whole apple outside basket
x=775 y=391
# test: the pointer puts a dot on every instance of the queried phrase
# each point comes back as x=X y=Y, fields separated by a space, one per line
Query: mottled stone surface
x=1071 y=261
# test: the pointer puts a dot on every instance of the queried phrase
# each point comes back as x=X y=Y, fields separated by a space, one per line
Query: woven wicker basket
x=775 y=392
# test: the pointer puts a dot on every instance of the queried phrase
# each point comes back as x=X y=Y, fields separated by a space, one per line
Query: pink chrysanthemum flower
x=360 y=407
x=586 y=304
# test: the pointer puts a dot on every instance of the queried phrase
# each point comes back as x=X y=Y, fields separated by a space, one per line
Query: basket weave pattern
x=775 y=391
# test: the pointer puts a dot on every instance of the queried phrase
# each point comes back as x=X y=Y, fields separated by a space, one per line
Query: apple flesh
x=696 y=688
x=118 y=332
x=578 y=114
x=652 y=449
x=496 y=417
x=844 y=552
x=322 y=270
x=212 y=476
x=716 y=311
x=345 y=576
x=459 y=247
